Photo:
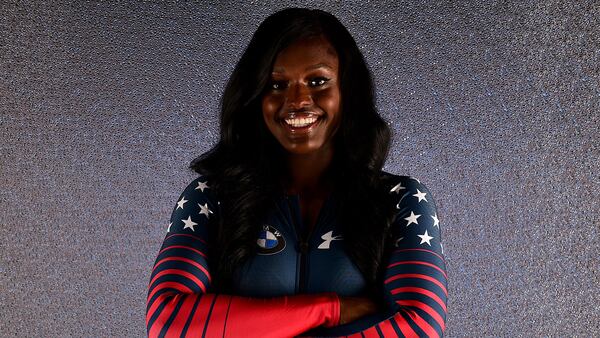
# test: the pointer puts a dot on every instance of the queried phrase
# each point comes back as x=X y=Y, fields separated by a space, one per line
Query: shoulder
x=200 y=185
x=399 y=187
x=417 y=222
x=194 y=207
x=398 y=183
x=199 y=191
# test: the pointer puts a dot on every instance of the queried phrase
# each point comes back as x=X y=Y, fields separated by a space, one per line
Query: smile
x=301 y=124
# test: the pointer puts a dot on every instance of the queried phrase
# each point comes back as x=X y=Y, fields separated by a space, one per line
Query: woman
x=292 y=228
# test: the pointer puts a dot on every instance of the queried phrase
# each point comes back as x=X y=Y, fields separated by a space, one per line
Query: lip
x=302 y=130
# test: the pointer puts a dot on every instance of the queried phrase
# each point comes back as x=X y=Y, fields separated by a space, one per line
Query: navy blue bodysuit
x=290 y=287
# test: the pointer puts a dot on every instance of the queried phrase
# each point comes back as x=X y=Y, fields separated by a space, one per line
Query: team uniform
x=291 y=286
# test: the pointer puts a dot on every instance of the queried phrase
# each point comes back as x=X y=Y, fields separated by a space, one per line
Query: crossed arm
x=180 y=302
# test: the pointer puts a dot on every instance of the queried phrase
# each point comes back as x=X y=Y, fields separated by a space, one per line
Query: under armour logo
x=328 y=237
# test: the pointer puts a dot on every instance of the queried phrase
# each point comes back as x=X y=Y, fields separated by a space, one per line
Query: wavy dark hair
x=244 y=164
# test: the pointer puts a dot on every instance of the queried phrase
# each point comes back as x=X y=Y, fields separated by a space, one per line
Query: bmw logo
x=270 y=241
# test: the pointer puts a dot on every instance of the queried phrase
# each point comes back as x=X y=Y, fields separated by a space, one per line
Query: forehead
x=305 y=53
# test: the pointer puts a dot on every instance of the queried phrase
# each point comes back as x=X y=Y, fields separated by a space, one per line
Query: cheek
x=270 y=105
x=329 y=101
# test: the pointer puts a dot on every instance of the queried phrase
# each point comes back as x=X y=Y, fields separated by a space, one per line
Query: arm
x=415 y=277
x=179 y=300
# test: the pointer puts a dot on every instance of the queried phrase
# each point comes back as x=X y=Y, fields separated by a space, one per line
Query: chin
x=299 y=150
x=303 y=149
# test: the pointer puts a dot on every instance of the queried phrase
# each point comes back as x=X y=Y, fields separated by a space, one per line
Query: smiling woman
x=292 y=227
x=301 y=107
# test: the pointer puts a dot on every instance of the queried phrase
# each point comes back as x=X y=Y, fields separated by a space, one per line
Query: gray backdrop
x=495 y=107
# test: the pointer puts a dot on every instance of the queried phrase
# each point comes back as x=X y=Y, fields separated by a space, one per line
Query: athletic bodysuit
x=291 y=287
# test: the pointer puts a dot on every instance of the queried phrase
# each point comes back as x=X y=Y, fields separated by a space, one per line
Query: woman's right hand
x=352 y=308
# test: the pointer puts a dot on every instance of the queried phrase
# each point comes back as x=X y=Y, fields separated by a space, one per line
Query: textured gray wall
x=495 y=107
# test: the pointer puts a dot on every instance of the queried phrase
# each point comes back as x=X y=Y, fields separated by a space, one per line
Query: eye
x=318 y=81
x=277 y=85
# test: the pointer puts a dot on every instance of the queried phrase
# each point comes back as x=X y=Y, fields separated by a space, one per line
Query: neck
x=308 y=174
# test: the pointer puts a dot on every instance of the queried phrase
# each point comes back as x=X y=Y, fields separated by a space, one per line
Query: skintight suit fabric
x=291 y=286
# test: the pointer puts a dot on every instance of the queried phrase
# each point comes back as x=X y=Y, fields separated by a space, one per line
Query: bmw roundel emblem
x=270 y=241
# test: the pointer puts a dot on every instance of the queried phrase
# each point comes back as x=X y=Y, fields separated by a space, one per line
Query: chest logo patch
x=327 y=238
x=270 y=241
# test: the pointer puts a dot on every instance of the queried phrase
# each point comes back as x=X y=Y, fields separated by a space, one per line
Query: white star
x=201 y=186
x=181 y=203
x=436 y=221
x=204 y=210
x=397 y=188
x=189 y=223
x=421 y=195
x=169 y=228
x=412 y=218
x=425 y=238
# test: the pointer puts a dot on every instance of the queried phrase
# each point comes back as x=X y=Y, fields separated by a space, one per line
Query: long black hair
x=243 y=165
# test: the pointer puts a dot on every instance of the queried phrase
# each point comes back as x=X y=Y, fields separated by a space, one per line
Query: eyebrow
x=315 y=66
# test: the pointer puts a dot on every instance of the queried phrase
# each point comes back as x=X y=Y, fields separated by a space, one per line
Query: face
x=301 y=105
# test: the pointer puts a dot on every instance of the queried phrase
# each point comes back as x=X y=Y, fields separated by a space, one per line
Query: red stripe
x=183 y=259
x=423 y=292
x=371 y=332
x=162 y=318
x=152 y=308
x=183 y=273
x=180 y=287
x=185 y=310
x=183 y=247
x=216 y=322
x=426 y=308
x=417 y=275
x=156 y=327
x=200 y=316
x=404 y=326
x=422 y=323
x=420 y=263
x=187 y=235
x=415 y=249
x=387 y=329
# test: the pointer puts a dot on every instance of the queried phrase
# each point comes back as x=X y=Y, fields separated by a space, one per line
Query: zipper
x=302 y=248
x=303 y=242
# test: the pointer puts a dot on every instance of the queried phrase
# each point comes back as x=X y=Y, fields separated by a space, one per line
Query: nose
x=298 y=97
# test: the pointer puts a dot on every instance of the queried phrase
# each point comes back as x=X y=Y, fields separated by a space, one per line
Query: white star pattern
x=397 y=188
x=412 y=218
x=425 y=238
x=204 y=210
x=169 y=228
x=436 y=221
x=410 y=210
x=181 y=203
x=420 y=195
x=189 y=223
x=202 y=186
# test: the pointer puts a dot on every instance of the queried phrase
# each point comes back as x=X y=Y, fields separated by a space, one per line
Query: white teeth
x=301 y=122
